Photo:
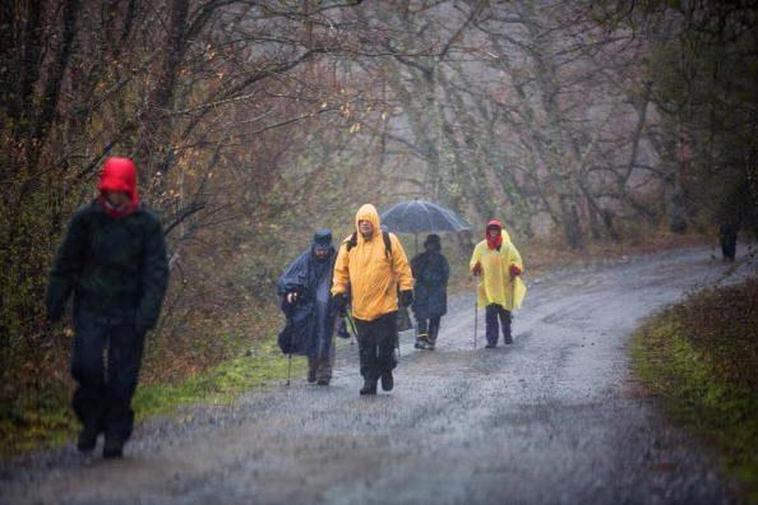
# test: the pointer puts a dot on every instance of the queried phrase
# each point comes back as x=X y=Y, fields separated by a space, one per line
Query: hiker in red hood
x=113 y=260
x=498 y=264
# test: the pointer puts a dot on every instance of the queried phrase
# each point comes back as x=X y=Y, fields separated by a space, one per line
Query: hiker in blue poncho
x=306 y=302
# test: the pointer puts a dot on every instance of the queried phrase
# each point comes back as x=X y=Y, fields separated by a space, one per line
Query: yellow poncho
x=495 y=282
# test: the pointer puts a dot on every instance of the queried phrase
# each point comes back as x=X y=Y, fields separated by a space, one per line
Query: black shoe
x=311 y=376
x=490 y=345
x=421 y=341
x=87 y=439
x=369 y=388
x=113 y=448
x=508 y=340
x=323 y=382
x=388 y=381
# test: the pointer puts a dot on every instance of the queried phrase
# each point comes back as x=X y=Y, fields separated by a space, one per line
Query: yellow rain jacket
x=369 y=272
x=496 y=284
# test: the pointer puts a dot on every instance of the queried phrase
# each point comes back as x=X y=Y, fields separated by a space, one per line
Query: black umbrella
x=420 y=216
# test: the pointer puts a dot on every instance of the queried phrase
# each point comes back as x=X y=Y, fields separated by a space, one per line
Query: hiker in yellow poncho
x=498 y=264
x=372 y=266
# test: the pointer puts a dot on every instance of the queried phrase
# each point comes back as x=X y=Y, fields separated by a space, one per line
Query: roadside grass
x=45 y=420
x=700 y=359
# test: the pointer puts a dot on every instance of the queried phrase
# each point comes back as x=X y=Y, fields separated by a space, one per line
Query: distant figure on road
x=113 y=259
x=306 y=301
x=372 y=264
x=498 y=264
x=431 y=272
x=728 y=237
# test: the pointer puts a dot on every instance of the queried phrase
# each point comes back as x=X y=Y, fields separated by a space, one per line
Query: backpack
x=353 y=241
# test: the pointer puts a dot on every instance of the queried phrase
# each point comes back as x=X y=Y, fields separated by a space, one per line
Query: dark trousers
x=493 y=313
x=430 y=327
x=105 y=364
x=376 y=345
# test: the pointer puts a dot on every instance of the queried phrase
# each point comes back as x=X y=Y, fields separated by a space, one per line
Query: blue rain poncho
x=311 y=319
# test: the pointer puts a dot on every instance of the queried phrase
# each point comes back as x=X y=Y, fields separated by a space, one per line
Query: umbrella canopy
x=420 y=216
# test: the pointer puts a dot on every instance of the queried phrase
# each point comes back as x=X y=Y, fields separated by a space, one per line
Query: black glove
x=406 y=297
x=340 y=303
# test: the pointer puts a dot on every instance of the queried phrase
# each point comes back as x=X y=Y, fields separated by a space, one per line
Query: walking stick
x=289 y=368
x=351 y=323
x=476 y=317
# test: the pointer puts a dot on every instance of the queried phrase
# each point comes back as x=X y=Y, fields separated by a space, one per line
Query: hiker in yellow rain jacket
x=371 y=265
x=498 y=264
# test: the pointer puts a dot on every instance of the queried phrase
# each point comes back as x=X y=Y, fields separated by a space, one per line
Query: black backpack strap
x=387 y=244
x=352 y=241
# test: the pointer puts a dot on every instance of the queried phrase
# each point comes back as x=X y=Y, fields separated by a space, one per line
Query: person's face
x=366 y=228
x=321 y=252
x=117 y=198
x=493 y=232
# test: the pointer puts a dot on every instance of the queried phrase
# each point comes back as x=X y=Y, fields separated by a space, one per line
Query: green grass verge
x=46 y=420
x=685 y=377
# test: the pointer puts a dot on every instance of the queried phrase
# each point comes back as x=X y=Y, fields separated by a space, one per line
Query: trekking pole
x=351 y=323
x=289 y=368
x=476 y=318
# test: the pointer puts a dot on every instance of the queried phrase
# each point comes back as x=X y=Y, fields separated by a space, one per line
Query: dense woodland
x=252 y=123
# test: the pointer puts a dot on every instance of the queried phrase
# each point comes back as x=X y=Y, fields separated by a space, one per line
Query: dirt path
x=554 y=418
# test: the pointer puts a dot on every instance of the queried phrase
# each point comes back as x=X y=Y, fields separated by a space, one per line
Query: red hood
x=494 y=222
x=497 y=241
x=119 y=174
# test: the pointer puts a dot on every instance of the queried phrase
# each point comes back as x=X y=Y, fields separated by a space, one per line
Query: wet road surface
x=553 y=418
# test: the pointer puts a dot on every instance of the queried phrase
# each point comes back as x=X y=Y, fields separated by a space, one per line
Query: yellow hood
x=368 y=212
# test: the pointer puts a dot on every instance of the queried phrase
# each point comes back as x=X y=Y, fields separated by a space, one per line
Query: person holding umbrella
x=372 y=264
x=498 y=264
x=431 y=272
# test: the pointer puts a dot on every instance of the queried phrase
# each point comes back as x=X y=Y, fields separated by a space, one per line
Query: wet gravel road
x=553 y=418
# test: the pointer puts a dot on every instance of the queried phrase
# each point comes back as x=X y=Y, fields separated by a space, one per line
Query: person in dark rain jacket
x=431 y=272
x=306 y=301
x=113 y=260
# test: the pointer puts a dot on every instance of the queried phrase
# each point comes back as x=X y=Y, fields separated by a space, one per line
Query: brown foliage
x=723 y=325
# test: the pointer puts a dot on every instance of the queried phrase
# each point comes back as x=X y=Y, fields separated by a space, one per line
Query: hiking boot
x=311 y=376
x=323 y=381
x=490 y=345
x=421 y=341
x=87 y=439
x=388 y=381
x=508 y=339
x=113 y=448
x=430 y=345
x=369 y=388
